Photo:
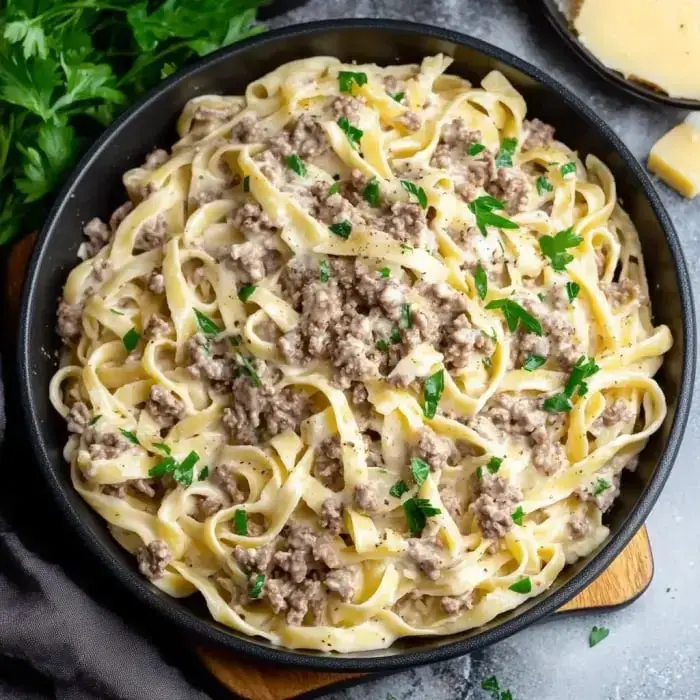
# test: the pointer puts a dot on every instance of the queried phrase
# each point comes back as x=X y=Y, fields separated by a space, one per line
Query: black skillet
x=95 y=190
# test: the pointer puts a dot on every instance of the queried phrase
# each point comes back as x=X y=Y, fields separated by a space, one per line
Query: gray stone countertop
x=652 y=652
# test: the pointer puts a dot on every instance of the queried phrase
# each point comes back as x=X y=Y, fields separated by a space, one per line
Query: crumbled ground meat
x=261 y=412
x=427 y=554
x=152 y=234
x=156 y=158
x=461 y=341
x=104 y=444
x=495 y=505
x=517 y=416
x=525 y=344
x=452 y=502
x=406 y=222
x=225 y=476
x=343 y=582
x=549 y=457
x=69 y=321
x=353 y=188
x=617 y=412
x=157 y=325
x=331 y=515
x=153 y=558
x=621 y=293
x=252 y=221
x=307 y=137
x=445 y=301
x=329 y=207
x=165 y=408
x=454 y=143
x=348 y=107
x=579 y=525
x=210 y=359
x=605 y=498
x=411 y=120
x=328 y=464
x=479 y=250
x=453 y=605
x=246 y=130
x=78 y=418
x=206 y=507
x=98 y=234
x=510 y=186
x=146 y=487
x=432 y=448
x=479 y=171
x=255 y=260
x=119 y=214
x=366 y=498
x=539 y=134
x=255 y=558
x=156 y=282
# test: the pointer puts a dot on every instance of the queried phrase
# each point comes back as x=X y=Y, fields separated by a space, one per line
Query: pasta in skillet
x=363 y=357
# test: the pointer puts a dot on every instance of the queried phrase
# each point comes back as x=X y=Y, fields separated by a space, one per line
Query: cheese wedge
x=675 y=157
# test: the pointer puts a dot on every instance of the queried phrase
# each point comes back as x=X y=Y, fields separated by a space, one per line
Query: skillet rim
x=209 y=630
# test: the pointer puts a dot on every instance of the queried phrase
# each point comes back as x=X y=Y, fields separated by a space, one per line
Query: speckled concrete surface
x=652 y=651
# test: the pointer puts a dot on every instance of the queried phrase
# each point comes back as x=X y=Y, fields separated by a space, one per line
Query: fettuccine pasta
x=363 y=357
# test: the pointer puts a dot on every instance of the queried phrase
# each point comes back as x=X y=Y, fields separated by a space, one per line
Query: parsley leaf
x=371 y=193
x=247 y=368
x=206 y=325
x=494 y=464
x=246 y=291
x=481 y=281
x=567 y=168
x=165 y=466
x=325 y=271
x=515 y=314
x=504 y=158
x=95 y=419
x=597 y=635
x=432 y=391
x=398 y=489
x=346 y=79
x=334 y=188
x=204 y=474
x=522 y=586
x=491 y=685
x=582 y=370
x=162 y=447
x=543 y=185
x=475 y=149
x=240 y=522
x=417 y=191
x=131 y=340
x=342 y=228
x=559 y=403
x=184 y=472
x=255 y=591
x=554 y=247
x=572 y=290
x=533 y=362
x=385 y=272
x=483 y=208
x=382 y=345
x=405 y=321
x=353 y=133
x=601 y=485
x=131 y=437
x=517 y=515
x=417 y=510
x=398 y=96
x=296 y=164
x=420 y=470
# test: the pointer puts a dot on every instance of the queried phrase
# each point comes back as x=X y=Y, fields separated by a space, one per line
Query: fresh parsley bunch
x=68 y=67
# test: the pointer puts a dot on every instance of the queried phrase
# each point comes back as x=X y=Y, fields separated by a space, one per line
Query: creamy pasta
x=363 y=357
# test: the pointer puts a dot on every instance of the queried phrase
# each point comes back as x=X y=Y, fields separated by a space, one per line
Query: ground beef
x=69 y=321
x=406 y=222
x=451 y=500
x=156 y=158
x=355 y=358
x=461 y=341
x=433 y=449
x=119 y=214
x=156 y=282
x=104 y=444
x=331 y=515
x=525 y=344
x=517 y=416
x=224 y=476
x=494 y=506
x=539 y=134
x=157 y=325
x=246 y=130
x=307 y=596
x=479 y=250
x=343 y=582
x=254 y=260
x=411 y=120
x=621 y=293
x=328 y=464
x=366 y=498
x=549 y=457
x=152 y=234
x=78 y=418
x=617 y=412
x=165 y=408
x=251 y=220
x=210 y=359
x=454 y=143
x=206 y=507
x=348 y=107
x=453 y=605
x=352 y=189
x=579 y=525
x=153 y=558
x=558 y=297
x=445 y=301
x=564 y=347
x=307 y=137
x=427 y=554
x=98 y=235
x=255 y=558
x=511 y=187
x=329 y=207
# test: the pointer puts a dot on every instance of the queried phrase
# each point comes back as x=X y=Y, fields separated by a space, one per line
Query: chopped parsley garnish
x=517 y=515
x=490 y=685
x=371 y=193
x=522 y=586
x=162 y=447
x=601 y=485
x=235 y=340
x=483 y=208
x=255 y=591
x=554 y=247
x=246 y=291
x=504 y=159
x=325 y=271
x=382 y=345
x=296 y=164
x=184 y=472
x=246 y=183
x=346 y=78
x=420 y=470
x=334 y=188
x=131 y=339
x=561 y=402
x=598 y=634
x=385 y=272
x=494 y=464
x=248 y=369
x=481 y=281
x=417 y=510
x=567 y=168
x=417 y=191
x=398 y=489
x=204 y=474
x=352 y=132
x=533 y=362
x=206 y=325
x=543 y=185
x=95 y=419
x=395 y=336
x=432 y=391
x=165 y=466
x=117 y=313
x=572 y=290
x=405 y=321
x=516 y=314
x=342 y=228
x=398 y=96
x=240 y=522
x=131 y=437
x=475 y=149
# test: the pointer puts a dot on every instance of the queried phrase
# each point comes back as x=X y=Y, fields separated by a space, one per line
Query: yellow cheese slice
x=653 y=41
x=675 y=157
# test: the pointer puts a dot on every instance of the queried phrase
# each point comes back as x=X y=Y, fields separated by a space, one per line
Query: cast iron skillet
x=632 y=87
x=95 y=190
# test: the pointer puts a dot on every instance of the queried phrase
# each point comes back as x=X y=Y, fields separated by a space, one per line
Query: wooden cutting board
x=623 y=582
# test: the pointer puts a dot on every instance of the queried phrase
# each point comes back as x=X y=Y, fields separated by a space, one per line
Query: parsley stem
x=70 y=7
x=135 y=70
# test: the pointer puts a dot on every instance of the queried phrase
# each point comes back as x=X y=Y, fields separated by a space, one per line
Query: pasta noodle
x=363 y=357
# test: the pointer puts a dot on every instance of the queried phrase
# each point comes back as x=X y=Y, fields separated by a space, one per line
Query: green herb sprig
x=483 y=208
